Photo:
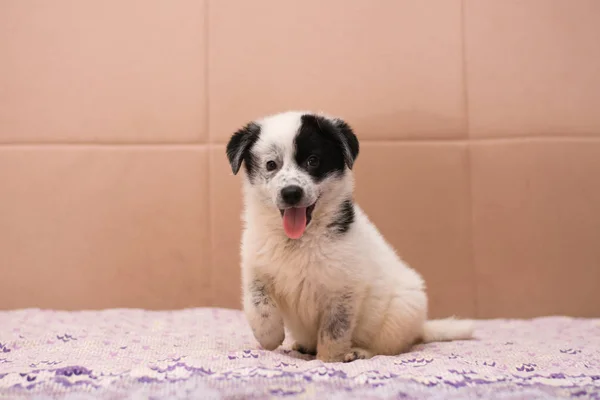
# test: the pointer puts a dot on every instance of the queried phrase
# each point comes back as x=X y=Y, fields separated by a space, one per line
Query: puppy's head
x=294 y=161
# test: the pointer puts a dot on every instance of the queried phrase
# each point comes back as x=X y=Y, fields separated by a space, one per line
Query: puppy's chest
x=301 y=278
x=292 y=258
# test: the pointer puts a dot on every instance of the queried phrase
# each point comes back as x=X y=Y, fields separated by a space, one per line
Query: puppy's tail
x=444 y=330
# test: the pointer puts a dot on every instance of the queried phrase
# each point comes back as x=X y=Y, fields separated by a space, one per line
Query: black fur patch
x=258 y=290
x=239 y=149
x=350 y=139
x=337 y=322
x=333 y=142
x=344 y=218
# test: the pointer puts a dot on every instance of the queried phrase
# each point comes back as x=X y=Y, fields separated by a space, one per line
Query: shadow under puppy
x=311 y=259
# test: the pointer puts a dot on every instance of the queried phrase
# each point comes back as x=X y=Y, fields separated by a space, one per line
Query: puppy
x=311 y=259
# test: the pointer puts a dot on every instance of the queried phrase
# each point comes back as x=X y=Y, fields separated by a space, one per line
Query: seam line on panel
x=471 y=230
x=463 y=28
x=210 y=205
x=104 y=146
x=470 y=199
x=210 y=223
x=515 y=139
x=206 y=69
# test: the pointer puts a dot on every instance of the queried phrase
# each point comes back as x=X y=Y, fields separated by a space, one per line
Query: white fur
x=306 y=281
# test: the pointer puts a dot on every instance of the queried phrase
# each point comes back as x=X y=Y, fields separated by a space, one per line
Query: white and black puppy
x=311 y=259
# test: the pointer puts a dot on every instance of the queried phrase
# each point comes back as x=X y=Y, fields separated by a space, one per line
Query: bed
x=210 y=353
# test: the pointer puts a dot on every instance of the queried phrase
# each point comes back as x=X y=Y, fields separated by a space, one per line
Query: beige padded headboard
x=478 y=121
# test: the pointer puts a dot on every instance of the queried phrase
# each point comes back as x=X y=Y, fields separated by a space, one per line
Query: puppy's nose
x=292 y=194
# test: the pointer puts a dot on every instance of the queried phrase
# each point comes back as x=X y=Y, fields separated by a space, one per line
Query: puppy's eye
x=312 y=162
x=271 y=165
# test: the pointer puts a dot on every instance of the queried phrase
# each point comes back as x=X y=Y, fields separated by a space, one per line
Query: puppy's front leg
x=335 y=332
x=262 y=313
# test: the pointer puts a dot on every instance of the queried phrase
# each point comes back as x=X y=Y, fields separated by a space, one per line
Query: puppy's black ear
x=349 y=142
x=239 y=145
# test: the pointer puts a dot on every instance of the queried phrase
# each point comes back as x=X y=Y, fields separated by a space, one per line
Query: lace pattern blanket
x=211 y=354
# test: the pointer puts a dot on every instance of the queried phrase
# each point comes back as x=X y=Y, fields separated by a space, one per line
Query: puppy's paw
x=267 y=328
x=303 y=349
x=270 y=340
x=357 y=353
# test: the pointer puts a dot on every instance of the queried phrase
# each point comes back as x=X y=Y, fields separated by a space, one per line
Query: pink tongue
x=294 y=222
